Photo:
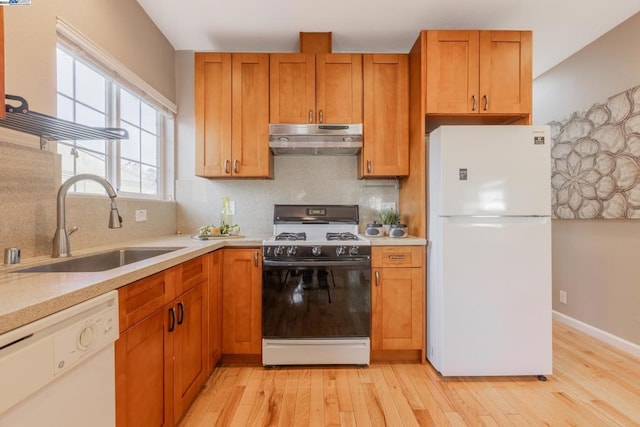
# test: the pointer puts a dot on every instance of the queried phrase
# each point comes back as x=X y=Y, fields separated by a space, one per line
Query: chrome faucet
x=61 y=238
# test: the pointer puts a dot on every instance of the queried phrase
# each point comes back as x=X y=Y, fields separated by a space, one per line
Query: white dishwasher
x=60 y=370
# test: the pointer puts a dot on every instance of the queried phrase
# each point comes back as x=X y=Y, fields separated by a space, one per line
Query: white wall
x=595 y=261
x=27 y=191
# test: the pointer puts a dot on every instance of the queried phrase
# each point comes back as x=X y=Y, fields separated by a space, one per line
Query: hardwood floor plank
x=303 y=398
x=592 y=385
x=345 y=402
x=289 y=395
x=330 y=393
x=316 y=399
x=360 y=410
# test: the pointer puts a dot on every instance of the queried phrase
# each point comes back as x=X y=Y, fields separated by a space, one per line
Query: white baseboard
x=615 y=341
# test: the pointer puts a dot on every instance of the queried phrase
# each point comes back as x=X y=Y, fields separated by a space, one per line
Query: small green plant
x=388 y=216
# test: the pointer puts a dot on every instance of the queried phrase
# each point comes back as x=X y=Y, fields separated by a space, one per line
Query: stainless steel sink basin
x=100 y=262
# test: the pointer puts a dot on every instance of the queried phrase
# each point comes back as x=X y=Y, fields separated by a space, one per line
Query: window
x=88 y=96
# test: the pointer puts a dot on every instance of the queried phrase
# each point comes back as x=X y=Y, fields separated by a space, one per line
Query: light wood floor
x=593 y=385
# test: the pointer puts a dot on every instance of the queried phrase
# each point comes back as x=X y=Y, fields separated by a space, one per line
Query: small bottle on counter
x=227 y=218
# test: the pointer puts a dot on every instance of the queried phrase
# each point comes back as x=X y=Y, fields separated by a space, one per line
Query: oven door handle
x=360 y=262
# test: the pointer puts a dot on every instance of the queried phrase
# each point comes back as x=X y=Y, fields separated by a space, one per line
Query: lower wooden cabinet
x=162 y=359
x=397 y=298
x=214 y=260
x=242 y=302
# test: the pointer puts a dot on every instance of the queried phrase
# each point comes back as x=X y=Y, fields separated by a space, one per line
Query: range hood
x=315 y=139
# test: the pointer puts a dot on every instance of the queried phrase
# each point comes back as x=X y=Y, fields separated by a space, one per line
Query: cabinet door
x=213 y=114
x=190 y=340
x=292 y=88
x=241 y=301
x=142 y=355
x=386 y=116
x=215 y=308
x=452 y=72
x=397 y=299
x=339 y=88
x=250 y=153
x=505 y=72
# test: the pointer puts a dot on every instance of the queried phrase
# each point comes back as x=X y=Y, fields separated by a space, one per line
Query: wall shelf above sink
x=49 y=128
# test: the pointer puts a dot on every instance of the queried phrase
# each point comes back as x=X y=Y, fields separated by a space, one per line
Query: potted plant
x=388 y=217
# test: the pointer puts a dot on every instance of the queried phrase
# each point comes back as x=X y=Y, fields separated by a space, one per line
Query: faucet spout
x=61 y=238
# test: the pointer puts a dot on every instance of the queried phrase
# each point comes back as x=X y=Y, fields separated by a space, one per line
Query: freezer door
x=491 y=288
x=493 y=170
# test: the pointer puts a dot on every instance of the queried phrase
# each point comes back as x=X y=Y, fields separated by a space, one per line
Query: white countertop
x=26 y=297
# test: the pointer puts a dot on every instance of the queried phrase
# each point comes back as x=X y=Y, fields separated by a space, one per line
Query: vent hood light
x=313 y=139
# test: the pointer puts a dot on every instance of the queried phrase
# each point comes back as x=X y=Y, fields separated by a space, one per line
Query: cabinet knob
x=368 y=166
x=377 y=278
x=226 y=166
x=320 y=116
x=310 y=116
x=474 y=105
x=235 y=166
x=486 y=102
x=255 y=258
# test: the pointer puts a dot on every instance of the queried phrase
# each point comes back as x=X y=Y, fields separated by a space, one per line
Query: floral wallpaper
x=595 y=170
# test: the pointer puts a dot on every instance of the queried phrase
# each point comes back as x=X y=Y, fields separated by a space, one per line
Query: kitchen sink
x=100 y=262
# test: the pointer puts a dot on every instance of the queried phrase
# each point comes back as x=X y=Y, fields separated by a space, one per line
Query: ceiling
x=560 y=27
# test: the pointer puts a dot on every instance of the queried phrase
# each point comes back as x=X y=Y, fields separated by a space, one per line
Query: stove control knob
x=316 y=250
x=341 y=250
x=353 y=250
x=291 y=250
x=278 y=251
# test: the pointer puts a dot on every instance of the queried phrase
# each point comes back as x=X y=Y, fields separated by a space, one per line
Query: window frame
x=113 y=150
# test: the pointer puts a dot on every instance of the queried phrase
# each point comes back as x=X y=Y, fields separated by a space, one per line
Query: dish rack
x=48 y=128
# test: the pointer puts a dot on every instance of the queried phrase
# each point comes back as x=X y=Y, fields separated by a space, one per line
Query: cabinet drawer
x=139 y=299
x=190 y=273
x=397 y=256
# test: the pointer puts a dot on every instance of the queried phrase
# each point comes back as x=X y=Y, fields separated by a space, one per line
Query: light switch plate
x=141 y=215
x=387 y=205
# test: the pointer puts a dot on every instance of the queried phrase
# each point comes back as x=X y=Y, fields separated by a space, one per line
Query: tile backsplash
x=29 y=182
x=297 y=179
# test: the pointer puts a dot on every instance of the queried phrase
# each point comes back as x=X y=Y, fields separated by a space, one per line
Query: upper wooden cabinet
x=320 y=88
x=479 y=72
x=385 y=149
x=232 y=115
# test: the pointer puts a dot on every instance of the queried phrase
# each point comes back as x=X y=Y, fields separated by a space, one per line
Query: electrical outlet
x=141 y=215
x=563 y=297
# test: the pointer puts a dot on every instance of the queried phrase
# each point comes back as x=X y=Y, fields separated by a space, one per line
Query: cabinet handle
x=368 y=166
x=486 y=102
x=377 y=278
x=321 y=116
x=181 y=313
x=475 y=103
x=235 y=166
x=310 y=116
x=255 y=258
x=396 y=256
x=172 y=319
x=226 y=166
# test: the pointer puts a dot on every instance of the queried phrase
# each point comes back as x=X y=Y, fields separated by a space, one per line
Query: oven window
x=323 y=302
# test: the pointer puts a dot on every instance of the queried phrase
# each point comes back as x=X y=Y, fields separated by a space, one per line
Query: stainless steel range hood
x=314 y=139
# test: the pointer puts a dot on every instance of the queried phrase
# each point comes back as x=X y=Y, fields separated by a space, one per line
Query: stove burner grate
x=342 y=236
x=292 y=236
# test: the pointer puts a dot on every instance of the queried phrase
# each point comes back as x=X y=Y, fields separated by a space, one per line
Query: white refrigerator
x=489 y=255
